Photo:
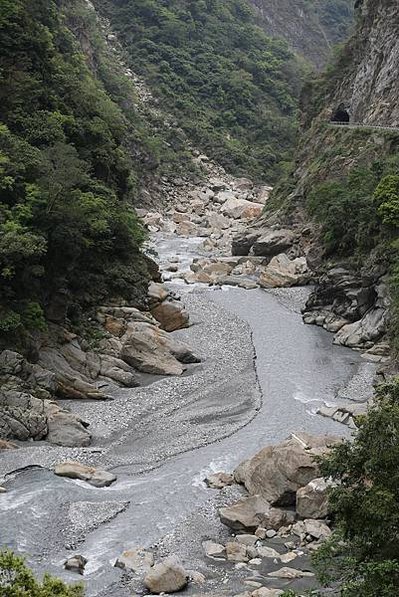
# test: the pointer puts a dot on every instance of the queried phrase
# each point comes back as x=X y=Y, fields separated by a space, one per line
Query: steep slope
x=74 y=151
x=231 y=88
x=311 y=27
x=342 y=198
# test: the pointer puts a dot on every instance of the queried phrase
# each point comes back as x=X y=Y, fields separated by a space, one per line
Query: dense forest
x=70 y=162
x=230 y=87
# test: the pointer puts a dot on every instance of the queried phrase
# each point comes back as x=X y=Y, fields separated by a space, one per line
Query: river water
x=262 y=377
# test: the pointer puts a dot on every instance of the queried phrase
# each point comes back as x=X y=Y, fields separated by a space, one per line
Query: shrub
x=16 y=580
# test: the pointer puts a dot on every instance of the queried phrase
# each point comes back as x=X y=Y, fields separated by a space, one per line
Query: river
x=262 y=376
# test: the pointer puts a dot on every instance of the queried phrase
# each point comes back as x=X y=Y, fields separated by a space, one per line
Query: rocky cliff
x=344 y=181
x=310 y=28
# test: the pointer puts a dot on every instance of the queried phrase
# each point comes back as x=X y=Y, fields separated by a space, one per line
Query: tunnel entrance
x=341 y=115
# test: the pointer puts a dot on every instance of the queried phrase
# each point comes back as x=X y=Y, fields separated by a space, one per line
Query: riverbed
x=263 y=375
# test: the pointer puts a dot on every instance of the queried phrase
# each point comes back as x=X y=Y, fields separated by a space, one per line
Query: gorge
x=165 y=253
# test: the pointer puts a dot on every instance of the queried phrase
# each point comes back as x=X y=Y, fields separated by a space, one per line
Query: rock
x=219 y=480
x=171 y=315
x=263 y=194
x=157 y=293
x=236 y=552
x=288 y=557
x=241 y=209
x=264 y=592
x=290 y=573
x=76 y=470
x=274 y=242
x=317 y=529
x=196 y=577
x=76 y=564
x=4 y=445
x=167 y=577
x=267 y=552
x=243 y=184
x=271 y=533
x=65 y=428
x=137 y=560
x=250 y=513
x=224 y=196
x=281 y=272
x=277 y=472
x=146 y=348
x=3 y=489
x=246 y=539
x=237 y=281
x=72 y=367
x=213 y=550
x=217 y=184
x=243 y=243
x=115 y=326
x=312 y=499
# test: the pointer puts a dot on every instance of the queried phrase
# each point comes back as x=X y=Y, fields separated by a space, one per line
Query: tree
x=16 y=580
x=365 y=502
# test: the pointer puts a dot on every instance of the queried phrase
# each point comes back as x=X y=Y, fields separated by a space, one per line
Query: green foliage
x=67 y=180
x=16 y=580
x=230 y=87
x=366 y=502
x=386 y=196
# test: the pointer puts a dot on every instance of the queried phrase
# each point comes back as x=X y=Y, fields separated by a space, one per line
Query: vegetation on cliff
x=230 y=87
x=363 y=555
x=67 y=177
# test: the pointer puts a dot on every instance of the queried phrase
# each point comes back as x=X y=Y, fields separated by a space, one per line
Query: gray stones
x=236 y=552
x=76 y=470
x=312 y=500
x=290 y=573
x=137 y=560
x=168 y=576
x=171 y=315
x=214 y=550
x=76 y=564
x=277 y=472
x=252 y=512
x=273 y=242
x=219 y=480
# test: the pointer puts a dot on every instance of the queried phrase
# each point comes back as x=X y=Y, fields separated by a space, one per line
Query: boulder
x=76 y=564
x=65 y=428
x=93 y=476
x=236 y=552
x=219 y=480
x=264 y=592
x=263 y=194
x=243 y=184
x=146 y=348
x=290 y=573
x=312 y=499
x=3 y=489
x=283 y=272
x=243 y=243
x=274 y=242
x=169 y=576
x=214 y=550
x=250 y=513
x=277 y=472
x=171 y=315
x=157 y=293
x=241 y=209
x=137 y=560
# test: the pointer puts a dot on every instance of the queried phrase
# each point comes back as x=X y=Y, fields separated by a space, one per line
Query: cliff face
x=343 y=183
x=370 y=87
x=310 y=28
